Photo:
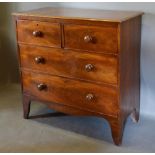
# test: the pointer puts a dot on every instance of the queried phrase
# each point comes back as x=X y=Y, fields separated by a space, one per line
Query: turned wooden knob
x=88 y=39
x=89 y=67
x=39 y=60
x=37 y=33
x=41 y=86
x=89 y=97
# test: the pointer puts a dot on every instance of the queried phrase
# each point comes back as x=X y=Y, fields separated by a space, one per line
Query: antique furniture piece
x=81 y=62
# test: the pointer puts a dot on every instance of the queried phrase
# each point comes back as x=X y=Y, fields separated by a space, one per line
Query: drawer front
x=87 y=66
x=92 y=38
x=39 y=33
x=82 y=95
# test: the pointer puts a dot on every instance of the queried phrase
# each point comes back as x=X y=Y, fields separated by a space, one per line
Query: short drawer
x=39 y=33
x=68 y=63
x=82 y=95
x=91 y=38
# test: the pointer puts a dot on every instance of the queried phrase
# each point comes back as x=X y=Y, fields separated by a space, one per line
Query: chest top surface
x=82 y=14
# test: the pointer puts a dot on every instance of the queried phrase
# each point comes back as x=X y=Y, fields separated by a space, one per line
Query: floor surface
x=48 y=131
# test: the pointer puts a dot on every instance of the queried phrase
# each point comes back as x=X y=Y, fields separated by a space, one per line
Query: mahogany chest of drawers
x=81 y=62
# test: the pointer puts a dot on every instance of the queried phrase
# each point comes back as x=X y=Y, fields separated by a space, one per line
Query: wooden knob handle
x=89 y=67
x=41 y=86
x=37 y=33
x=88 y=39
x=89 y=97
x=39 y=60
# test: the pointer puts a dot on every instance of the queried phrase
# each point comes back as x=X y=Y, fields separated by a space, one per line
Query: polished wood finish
x=79 y=14
x=81 y=62
x=91 y=38
x=39 y=33
x=70 y=63
x=78 y=94
x=130 y=68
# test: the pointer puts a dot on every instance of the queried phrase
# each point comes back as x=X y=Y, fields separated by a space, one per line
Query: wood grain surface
x=71 y=92
x=50 y=33
x=70 y=63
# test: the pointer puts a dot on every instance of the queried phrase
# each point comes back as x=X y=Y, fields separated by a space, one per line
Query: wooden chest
x=81 y=62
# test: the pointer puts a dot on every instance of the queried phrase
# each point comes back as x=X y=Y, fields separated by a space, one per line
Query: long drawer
x=81 y=65
x=78 y=94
